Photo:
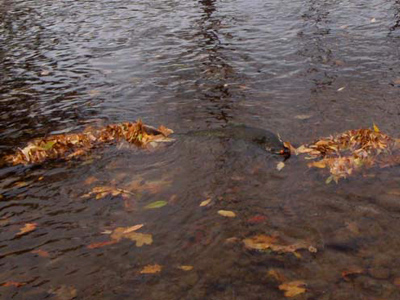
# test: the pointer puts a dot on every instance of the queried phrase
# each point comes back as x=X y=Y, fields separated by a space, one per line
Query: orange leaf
x=41 y=253
x=13 y=283
x=101 y=244
x=347 y=274
x=293 y=288
x=27 y=228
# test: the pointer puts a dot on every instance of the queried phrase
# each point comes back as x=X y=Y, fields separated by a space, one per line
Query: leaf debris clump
x=352 y=151
x=67 y=146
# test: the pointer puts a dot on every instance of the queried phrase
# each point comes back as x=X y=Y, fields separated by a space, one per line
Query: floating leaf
x=227 y=213
x=280 y=165
x=341 y=89
x=151 y=269
x=28 y=227
x=293 y=288
x=376 y=128
x=185 y=268
x=205 y=202
x=156 y=204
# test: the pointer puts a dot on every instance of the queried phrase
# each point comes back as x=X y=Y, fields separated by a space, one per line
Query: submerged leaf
x=13 y=283
x=28 y=227
x=41 y=253
x=127 y=233
x=156 y=204
x=185 y=268
x=205 y=202
x=227 y=213
x=101 y=244
x=293 y=288
x=280 y=165
x=151 y=269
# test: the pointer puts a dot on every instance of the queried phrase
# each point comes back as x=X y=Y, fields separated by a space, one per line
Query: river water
x=300 y=68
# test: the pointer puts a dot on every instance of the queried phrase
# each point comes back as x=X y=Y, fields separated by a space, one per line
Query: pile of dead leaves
x=352 y=151
x=67 y=146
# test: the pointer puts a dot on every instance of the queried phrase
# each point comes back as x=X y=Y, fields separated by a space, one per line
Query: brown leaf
x=257 y=219
x=28 y=227
x=90 y=180
x=293 y=288
x=351 y=272
x=151 y=269
x=13 y=283
x=396 y=281
x=264 y=242
x=101 y=244
x=41 y=253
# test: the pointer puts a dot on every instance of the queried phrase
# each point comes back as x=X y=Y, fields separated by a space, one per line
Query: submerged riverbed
x=303 y=69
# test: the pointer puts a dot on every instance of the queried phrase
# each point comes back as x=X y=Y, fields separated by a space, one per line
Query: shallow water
x=303 y=69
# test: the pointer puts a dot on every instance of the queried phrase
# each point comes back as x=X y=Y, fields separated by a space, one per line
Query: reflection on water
x=302 y=69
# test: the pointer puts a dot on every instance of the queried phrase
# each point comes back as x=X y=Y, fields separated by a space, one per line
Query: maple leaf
x=128 y=233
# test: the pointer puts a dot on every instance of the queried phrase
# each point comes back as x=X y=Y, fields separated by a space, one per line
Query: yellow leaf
x=27 y=228
x=185 y=268
x=376 y=128
x=227 y=213
x=293 y=288
x=318 y=164
x=151 y=269
x=280 y=165
x=303 y=149
x=205 y=202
